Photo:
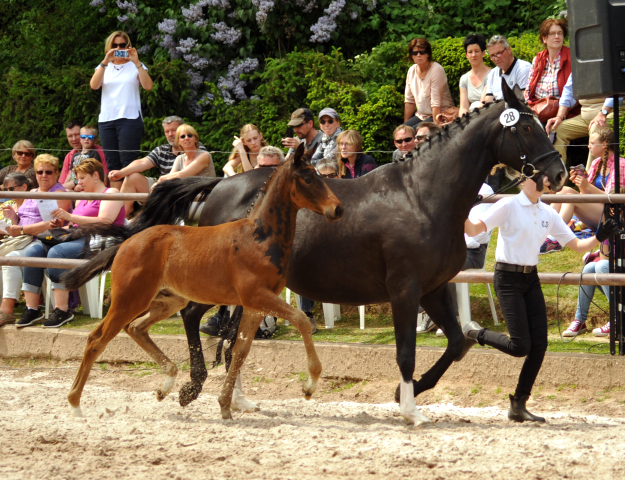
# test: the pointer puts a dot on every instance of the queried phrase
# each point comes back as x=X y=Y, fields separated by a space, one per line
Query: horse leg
x=163 y=306
x=405 y=306
x=192 y=316
x=275 y=306
x=438 y=304
x=106 y=331
x=249 y=324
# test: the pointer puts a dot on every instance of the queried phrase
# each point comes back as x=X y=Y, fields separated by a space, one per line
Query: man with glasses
x=303 y=123
x=514 y=71
x=269 y=157
x=404 y=139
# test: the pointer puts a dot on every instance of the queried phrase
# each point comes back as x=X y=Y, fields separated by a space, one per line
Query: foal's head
x=308 y=190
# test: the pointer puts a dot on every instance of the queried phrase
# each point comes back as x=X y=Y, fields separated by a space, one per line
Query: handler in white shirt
x=524 y=222
x=513 y=70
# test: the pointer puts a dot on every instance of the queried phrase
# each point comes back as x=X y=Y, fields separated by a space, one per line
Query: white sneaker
x=426 y=324
x=440 y=333
x=602 y=331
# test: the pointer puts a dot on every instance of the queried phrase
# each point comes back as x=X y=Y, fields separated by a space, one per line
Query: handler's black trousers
x=523 y=306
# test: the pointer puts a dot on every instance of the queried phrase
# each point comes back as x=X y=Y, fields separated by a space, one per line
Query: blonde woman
x=352 y=162
x=193 y=162
x=246 y=149
x=28 y=221
x=120 y=121
x=23 y=153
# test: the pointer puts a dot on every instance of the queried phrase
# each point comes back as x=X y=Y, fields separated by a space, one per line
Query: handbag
x=54 y=236
x=447 y=116
x=546 y=108
x=11 y=244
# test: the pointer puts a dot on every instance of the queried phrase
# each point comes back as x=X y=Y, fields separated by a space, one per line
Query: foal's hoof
x=226 y=414
x=76 y=412
x=398 y=389
x=467 y=345
x=188 y=393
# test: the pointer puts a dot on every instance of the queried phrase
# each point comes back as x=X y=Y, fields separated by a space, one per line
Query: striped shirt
x=163 y=157
x=548 y=83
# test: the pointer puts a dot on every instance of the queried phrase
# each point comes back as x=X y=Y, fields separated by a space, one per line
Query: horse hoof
x=77 y=412
x=242 y=404
x=226 y=414
x=414 y=389
x=188 y=393
x=160 y=396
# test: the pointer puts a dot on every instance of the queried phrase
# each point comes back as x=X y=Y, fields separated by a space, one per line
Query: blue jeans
x=121 y=141
x=33 y=276
x=586 y=292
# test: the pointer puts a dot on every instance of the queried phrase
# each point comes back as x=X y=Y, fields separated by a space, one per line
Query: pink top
x=432 y=91
x=86 y=208
x=68 y=161
x=610 y=172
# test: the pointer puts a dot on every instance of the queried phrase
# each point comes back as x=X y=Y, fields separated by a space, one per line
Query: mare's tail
x=78 y=276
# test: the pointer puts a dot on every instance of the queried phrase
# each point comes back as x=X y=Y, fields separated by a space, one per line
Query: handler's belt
x=509 y=267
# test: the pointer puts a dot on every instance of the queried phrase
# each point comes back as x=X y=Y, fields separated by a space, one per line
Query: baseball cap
x=300 y=116
x=330 y=112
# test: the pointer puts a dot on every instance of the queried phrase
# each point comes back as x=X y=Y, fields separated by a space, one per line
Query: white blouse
x=120 y=92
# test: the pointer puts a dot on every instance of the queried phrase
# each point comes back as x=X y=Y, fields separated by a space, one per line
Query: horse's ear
x=514 y=98
x=300 y=156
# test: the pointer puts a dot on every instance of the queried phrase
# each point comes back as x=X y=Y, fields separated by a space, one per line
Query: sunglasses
x=421 y=138
x=90 y=137
x=329 y=175
x=24 y=154
x=185 y=135
x=418 y=52
x=329 y=121
x=404 y=140
x=120 y=45
x=47 y=172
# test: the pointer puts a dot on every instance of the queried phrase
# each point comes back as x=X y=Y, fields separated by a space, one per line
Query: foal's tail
x=78 y=276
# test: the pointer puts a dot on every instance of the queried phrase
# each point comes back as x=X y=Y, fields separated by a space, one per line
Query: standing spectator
x=303 y=123
x=427 y=91
x=352 y=162
x=473 y=83
x=514 y=71
x=330 y=125
x=404 y=139
x=246 y=148
x=551 y=67
x=270 y=157
x=88 y=138
x=192 y=162
x=120 y=120
x=28 y=221
x=90 y=176
x=23 y=154
x=162 y=158
x=594 y=113
x=72 y=131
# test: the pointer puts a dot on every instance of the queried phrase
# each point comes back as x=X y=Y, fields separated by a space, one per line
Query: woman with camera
x=120 y=74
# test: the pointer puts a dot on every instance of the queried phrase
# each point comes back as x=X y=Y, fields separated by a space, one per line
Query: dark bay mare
x=400 y=239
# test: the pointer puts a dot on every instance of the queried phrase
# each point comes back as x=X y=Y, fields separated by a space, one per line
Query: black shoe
x=58 y=318
x=29 y=317
x=213 y=326
x=313 y=322
x=519 y=413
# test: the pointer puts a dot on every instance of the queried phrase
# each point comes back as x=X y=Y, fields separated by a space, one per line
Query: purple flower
x=186 y=45
x=96 y=3
x=168 y=26
x=225 y=34
x=144 y=49
x=122 y=18
x=130 y=6
x=264 y=7
x=324 y=27
x=306 y=5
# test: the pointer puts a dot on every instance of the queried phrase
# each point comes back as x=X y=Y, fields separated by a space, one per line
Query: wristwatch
x=604 y=111
x=21 y=230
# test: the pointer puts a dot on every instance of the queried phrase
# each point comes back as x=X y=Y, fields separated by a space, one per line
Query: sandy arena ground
x=348 y=430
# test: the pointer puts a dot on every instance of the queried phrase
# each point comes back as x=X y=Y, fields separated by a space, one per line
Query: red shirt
x=68 y=161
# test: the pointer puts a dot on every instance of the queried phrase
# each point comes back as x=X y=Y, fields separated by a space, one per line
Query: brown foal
x=158 y=271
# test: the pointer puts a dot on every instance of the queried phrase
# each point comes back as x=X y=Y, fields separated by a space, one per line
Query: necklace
x=118 y=67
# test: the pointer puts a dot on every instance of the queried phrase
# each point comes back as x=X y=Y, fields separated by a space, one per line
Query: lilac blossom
x=195 y=78
x=225 y=34
x=233 y=83
x=196 y=61
x=193 y=13
x=324 y=27
x=354 y=15
x=168 y=26
x=144 y=49
x=306 y=5
x=370 y=4
x=186 y=45
x=96 y=3
x=131 y=6
x=122 y=18
x=264 y=7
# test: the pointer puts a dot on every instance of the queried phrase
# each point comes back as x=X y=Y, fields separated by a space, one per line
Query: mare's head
x=308 y=189
x=526 y=147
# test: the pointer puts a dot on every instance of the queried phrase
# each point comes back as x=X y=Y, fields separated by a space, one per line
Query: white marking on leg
x=239 y=402
x=76 y=412
x=168 y=384
x=407 y=406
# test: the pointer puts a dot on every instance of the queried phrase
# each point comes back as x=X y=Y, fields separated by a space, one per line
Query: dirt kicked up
x=126 y=433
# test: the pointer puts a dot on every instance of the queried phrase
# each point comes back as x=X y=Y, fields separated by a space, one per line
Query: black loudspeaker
x=597 y=33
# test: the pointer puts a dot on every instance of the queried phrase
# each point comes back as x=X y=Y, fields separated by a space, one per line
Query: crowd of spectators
x=107 y=156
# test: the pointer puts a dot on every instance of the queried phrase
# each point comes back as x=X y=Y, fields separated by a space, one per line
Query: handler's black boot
x=213 y=326
x=518 y=412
